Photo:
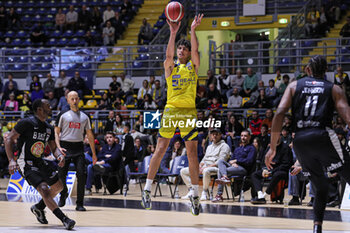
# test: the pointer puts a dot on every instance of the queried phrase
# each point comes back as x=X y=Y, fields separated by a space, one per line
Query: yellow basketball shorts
x=182 y=118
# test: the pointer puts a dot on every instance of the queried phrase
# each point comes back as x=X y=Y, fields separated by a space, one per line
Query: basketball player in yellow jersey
x=181 y=78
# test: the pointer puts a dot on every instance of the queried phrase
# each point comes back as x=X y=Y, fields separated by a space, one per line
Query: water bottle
x=242 y=196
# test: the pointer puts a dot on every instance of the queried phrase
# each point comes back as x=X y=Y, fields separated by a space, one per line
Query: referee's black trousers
x=80 y=167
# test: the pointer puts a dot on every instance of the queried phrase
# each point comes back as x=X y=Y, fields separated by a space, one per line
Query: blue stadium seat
x=159 y=23
x=284 y=61
x=86 y=66
x=23 y=59
x=30 y=11
x=22 y=34
x=47 y=59
x=10 y=34
x=56 y=33
x=155 y=31
x=52 y=42
x=27 y=42
x=137 y=64
x=52 y=11
x=162 y=16
x=30 y=3
x=16 y=42
x=144 y=56
x=20 y=4
x=11 y=59
x=41 y=11
x=19 y=11
x=137 y=2
x=74 y=42
x=68 y=33
x=45 y=66
x=80 y=33
x=33 y=67
x=143 y=49
x=41 y=4
x=63 y=42
x=26 y=18
x=20 y=67
x=36 y=59
x=9 y=4
x=37 y=18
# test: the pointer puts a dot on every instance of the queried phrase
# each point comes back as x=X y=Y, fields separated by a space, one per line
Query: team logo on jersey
x=175 y=80
x=37 y=149
x=74 y=125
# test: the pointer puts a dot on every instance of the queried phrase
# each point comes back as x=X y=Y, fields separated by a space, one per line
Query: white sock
x=261 y=195
x=148 y=185
x=195 y=190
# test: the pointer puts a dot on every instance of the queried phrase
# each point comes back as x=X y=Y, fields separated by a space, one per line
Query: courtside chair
x=178 y=163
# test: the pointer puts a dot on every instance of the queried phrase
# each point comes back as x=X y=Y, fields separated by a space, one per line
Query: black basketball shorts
x=36 y=172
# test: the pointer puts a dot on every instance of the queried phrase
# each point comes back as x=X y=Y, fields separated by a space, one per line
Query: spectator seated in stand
x=236 y=82
x=108 y=14
x=224 y=83
x=11 y=104
x=213 y=92
x=62 y=103
x=233 y=130
x=52 y=100
x=271 y=92
x=106 y=103
x=109 y=159
x=145 y=89
x=216 y=151
x=71 y=19
x=35 y=82
x=146 y=33
x=60 y=21
x=127 y=86
x=158 y=94
x=255 y=124
x=7 y=83
x=268 y=119
x=345 y=32
x=108 y=34
x=37 y=93
x=148 y=102
x=215 y=107
x=241 y=163
x=37 y=35
x=281 y=165
x=77 y=83
x=250 y=83
x=25 y=104
x=49 y=85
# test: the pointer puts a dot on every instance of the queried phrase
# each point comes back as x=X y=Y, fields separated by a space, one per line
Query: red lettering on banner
x=74 y=125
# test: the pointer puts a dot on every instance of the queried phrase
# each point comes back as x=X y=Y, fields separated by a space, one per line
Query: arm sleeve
x=52 y=136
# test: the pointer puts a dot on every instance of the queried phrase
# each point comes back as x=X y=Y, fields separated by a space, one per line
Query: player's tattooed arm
x=9 y=142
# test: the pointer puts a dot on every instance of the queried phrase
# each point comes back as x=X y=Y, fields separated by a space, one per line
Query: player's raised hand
x=196 y=21
x=13 y=167
x=174 y=26
x=269 y=157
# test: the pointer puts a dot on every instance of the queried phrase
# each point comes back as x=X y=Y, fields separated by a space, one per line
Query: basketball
x=174 y=12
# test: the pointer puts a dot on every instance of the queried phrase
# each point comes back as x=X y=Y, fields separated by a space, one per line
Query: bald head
x=73 y=100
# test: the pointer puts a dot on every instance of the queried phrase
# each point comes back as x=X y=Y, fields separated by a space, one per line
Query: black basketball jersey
x=313 y=104
x=34 y=136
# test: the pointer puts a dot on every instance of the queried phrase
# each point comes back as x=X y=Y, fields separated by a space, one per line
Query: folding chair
x=178 y=163
x=142 y=172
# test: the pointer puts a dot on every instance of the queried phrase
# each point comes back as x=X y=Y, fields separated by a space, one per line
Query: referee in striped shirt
x=69 y=136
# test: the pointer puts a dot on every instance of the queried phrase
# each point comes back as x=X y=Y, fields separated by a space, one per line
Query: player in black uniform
x=33 y=134
x=313 y=101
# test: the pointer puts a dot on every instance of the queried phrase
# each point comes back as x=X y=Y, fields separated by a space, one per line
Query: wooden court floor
x=116 y=213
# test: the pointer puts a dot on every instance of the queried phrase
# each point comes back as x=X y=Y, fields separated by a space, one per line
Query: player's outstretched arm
x=341 y=104
x=9 y=142
x=194 y=41
x=170 y=50
x=277 y=122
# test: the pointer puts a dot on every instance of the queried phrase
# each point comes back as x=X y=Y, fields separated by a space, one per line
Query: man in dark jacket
x=109 y=159
x=282 y=163
x=77 y=83
x=128 y=148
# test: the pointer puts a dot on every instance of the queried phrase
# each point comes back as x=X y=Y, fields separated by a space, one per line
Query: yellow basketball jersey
x=182 y=86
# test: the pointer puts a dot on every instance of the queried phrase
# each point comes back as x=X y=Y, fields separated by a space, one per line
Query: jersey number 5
x=311 y=100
